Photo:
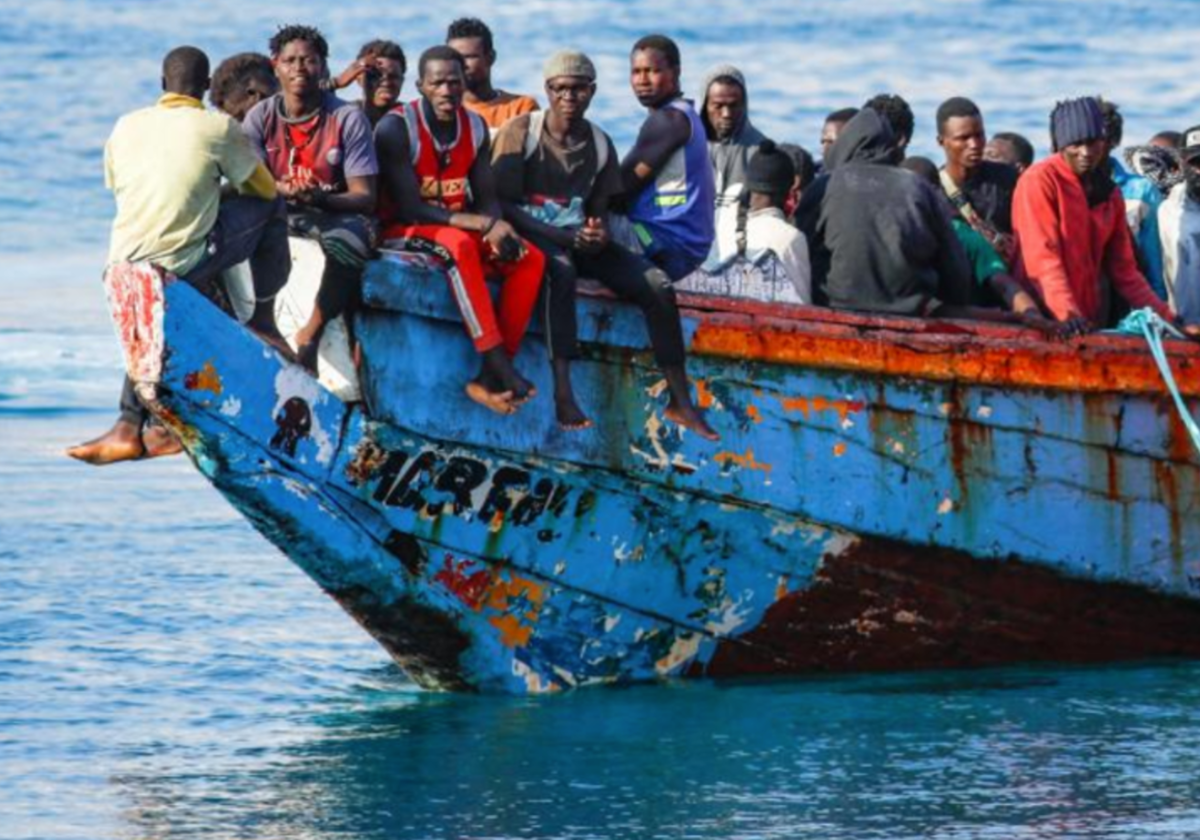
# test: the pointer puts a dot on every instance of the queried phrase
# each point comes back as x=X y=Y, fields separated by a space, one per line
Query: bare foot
x=526 y=391
x=500 y=402
x=690 y=418
x=278 y=342
x=123 y=442
x=570 y=416
x=159 y=442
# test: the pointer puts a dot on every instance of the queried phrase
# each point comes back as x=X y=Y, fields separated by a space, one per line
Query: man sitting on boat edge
x=556 y=173
x=320 y=153
x=164 y=165
x=440 y=198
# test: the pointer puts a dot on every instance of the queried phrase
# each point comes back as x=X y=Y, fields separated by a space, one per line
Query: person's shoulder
x=999 y=173
x=257 y=115
x=510 y=138
x=516 y=103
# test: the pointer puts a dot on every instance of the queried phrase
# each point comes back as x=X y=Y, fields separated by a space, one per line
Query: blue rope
x=1148 y=324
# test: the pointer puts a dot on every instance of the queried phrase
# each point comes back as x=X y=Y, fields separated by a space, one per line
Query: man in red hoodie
x=1069 y=220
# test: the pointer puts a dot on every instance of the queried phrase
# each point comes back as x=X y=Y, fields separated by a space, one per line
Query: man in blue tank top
x=667 y=178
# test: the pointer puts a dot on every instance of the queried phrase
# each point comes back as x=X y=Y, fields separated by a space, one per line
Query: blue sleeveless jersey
x=676 y=209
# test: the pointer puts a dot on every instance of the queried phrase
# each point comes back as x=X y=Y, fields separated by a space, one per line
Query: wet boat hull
x=852 y=516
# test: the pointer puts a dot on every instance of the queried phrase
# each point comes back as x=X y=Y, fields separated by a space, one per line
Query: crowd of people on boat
x=491 y=186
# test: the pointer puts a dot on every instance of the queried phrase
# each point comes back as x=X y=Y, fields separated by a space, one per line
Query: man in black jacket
x=892 y=248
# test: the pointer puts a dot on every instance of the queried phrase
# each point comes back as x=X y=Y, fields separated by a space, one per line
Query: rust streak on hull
x=886 y=606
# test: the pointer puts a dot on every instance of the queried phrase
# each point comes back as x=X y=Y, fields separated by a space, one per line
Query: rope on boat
x=1147 y=323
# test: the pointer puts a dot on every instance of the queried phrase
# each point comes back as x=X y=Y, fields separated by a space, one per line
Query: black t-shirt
x=990 y=190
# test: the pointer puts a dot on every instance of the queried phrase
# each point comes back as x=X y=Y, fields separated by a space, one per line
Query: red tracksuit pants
x=466 y=268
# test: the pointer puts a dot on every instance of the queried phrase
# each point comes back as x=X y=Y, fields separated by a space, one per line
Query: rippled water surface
x=165 y=673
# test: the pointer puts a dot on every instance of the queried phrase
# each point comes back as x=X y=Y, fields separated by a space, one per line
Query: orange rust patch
x=839 y=449
x=515 y=627
x=975 y=354
x=205 y=379
x=704 y=397
x=807 y=406
x=747 y=461
x=753 y=413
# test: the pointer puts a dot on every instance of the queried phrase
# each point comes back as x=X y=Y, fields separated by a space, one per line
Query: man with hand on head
x=556 y=173
x=164 y=165
x=440 y=198
x=379 y=70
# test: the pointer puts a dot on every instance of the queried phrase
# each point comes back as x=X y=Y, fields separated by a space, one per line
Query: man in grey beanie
x=556 y=174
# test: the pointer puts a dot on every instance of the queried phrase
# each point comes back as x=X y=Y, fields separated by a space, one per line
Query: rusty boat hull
x=886 y=494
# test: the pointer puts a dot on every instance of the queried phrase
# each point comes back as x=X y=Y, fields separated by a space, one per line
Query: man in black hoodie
x=892 y=248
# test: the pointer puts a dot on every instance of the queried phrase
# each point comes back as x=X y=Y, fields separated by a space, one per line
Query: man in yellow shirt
x=164 y=165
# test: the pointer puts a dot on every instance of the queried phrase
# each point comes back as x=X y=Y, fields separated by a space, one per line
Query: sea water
x=165 y=673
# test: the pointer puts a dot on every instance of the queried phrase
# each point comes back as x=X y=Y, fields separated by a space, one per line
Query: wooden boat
x=887 y=493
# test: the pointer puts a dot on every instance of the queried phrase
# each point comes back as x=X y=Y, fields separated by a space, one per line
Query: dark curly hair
x=471 y=28
x=296 y=32
x=380 y=48
x=895 y=110
x=661 y=44
x=233 y=72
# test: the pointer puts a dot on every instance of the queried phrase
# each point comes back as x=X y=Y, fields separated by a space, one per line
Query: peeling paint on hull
x=886 y=494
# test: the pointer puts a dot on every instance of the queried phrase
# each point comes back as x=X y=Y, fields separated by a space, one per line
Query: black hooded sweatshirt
x=892 y=248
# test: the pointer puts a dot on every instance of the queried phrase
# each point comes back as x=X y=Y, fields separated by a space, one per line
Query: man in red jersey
x=440 y=198
x=320 y=151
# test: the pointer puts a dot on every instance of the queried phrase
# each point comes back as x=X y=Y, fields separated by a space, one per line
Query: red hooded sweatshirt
x=1065 y=246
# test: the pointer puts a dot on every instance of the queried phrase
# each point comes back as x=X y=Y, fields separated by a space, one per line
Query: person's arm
x=242 y=166
x=664 y=131
x=794 y=259
x=1121 y=265
x=497 y=233
x=954 y=270
x=1035 y=223
x=260 y=184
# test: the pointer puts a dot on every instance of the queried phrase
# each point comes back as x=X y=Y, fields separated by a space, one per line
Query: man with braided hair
x=320 y=152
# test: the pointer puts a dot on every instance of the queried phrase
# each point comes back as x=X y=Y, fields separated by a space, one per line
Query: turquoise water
x=164 y=673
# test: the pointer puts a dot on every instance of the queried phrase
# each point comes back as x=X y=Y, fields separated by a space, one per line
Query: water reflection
x=1005 y=754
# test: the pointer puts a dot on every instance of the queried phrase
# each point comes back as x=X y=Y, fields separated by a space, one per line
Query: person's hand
x=1053 y=330
x=1006 y=245
x=1192 y=331
x=1077 y=326
x=350 y=75
x=504 y=242
x=592 y=238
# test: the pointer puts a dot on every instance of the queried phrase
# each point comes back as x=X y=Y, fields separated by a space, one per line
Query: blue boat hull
x=846 y=520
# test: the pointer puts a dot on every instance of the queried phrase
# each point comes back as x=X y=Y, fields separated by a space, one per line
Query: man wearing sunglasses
x=1179 y=229
x=379 y=70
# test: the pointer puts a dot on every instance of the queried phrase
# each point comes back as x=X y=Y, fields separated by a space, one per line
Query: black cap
x=771 y=171
x=1191 y=143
